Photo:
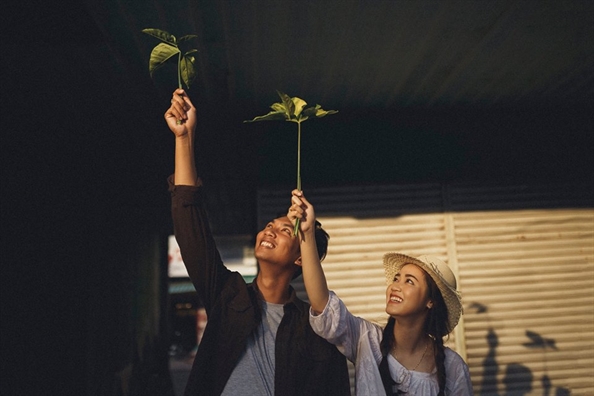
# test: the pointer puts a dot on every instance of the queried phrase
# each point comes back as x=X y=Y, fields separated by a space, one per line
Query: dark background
x=463 y=91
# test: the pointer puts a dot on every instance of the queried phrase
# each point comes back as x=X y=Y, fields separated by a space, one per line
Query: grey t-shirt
x=254 y=373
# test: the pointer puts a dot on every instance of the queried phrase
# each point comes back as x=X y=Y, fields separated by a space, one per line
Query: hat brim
x=393 y=262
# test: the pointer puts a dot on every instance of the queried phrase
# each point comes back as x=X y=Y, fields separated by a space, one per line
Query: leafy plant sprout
x=293 y=109
x=168 y=48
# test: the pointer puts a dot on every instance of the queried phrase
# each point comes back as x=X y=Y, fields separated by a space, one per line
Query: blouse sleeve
x=458 y=375
x=339 y=327
x=356 y=338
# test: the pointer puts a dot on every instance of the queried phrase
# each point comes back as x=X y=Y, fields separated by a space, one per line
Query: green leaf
x=160 y=54
x=321 y=113
x=279 y=107
x=317 y=112
x=185 y=38
x=162 y=35
x=288 y=104
x=298 y=105
x=188 y=72
x=272 y=116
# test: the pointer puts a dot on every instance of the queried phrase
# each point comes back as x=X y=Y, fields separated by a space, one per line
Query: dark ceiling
x=373 y=54
x=359 y=57
x=426 y=91
x=422 y=77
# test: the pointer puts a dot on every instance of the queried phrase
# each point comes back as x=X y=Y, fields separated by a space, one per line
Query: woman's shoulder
x=457 y=373
x=454 y=362
x=453 y=356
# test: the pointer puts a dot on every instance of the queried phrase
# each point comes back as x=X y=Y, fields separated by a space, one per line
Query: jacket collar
x=293 y=301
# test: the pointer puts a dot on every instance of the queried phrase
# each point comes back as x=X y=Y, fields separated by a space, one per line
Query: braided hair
x=436 y=326
x=386 y=346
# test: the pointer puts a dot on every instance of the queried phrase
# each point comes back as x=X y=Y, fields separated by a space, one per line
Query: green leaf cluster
x=167 y=49
x=292 y=109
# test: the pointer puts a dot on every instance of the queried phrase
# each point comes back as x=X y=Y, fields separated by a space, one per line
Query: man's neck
x=274 y=289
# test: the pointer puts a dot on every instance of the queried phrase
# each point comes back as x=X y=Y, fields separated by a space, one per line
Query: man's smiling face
x=276 y=243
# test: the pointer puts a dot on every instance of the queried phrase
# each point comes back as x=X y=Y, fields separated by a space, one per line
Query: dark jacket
x=306 y=364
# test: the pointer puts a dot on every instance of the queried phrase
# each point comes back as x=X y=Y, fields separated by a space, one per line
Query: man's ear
x=298 y=261
x=429 y=304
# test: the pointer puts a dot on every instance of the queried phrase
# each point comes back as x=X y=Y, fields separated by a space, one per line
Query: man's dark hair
x=322 y=238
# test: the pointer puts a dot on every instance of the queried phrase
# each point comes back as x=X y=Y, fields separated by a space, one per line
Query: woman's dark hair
x=386 y=346
x=436 y=324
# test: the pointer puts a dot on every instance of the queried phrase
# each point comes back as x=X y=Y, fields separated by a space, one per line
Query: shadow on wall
x=518 y=378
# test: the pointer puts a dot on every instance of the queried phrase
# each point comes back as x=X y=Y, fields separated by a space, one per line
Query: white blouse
x=359 y=340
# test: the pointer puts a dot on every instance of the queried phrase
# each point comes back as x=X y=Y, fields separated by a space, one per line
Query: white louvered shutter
x=523 y=256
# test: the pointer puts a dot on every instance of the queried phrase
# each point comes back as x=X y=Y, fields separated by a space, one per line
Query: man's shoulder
x=302 y=306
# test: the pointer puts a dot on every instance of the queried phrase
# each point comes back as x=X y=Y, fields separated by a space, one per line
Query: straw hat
x=441 y=274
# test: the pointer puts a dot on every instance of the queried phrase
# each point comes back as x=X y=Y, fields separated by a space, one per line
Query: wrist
x=310 y=232
x=186 y=139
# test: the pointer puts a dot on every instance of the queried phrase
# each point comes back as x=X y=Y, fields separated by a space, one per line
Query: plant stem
x=299 y=156
x=179 y=84
x=298 y=170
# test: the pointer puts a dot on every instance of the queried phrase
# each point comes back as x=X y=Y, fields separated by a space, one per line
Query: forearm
x=185 y=163
x=181 y=119
x=313 y=274
x=197 y=246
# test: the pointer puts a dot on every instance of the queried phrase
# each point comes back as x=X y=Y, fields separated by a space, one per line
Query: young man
x=258 y=340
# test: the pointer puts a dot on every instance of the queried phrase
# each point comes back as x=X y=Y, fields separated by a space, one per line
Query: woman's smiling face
x=408 y=294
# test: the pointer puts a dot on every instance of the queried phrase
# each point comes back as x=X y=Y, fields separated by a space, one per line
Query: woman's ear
x=298 y=261
x=429 y=304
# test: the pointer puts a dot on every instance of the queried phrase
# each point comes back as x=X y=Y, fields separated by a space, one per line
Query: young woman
x=407 y=356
